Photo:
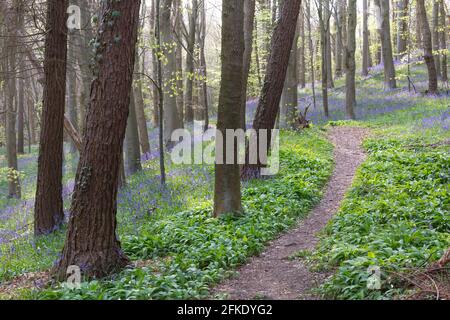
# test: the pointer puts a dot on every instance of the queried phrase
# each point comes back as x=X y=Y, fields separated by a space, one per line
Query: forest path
x=272 y=275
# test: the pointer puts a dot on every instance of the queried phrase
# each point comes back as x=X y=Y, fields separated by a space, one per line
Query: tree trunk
x=366 y=49
x=339 y=47
x=20 y=110
x=249 y=18
x=49 y=214
x=330 y=82
x=189 y=113
x=386 y=44
x=132 y=154
x=155 y=61
x=269 y=102
x=91 y=241
x=227 y=191
x=311 y=51
x=72 y=87
x=443 y=42
x=139 y=104
x=402 y=27
x=301 y=50
x=435 y=36
x=427 y=48
x=203 y=70
x=289 y=97
x=350 y=96
x=168 y=46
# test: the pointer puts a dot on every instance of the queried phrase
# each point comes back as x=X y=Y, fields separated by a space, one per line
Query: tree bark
x=427 y=48
x=189 y=113
x=249 y=18
x=301 y=50
x=168 y=46
x=48 y=210
x=227 y=191
x=289 y=97
x=132 y=154
x=402 y=27
x=350 y=96
x=386 y=44
x=435 y=36
x=91 y=240
x=443 y=40
x=269 y=102
x=139 y=104
x=366 y=52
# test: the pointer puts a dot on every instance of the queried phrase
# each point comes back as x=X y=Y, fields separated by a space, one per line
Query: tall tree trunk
x=444 y=30
x=155 y=61
x=402 y=27
x=21 y=111
x=301 y=50
x=350 y=96
x=366 y=49
x=132 y=154
x=330 y=82
x=139 y=104
x=91 y=240
x=83 y=41
x=311 y=51
x=12 y=13
x=189 y=113
x=48 y=212
x=269 y=102
x=178 y=18
x=435 y=36
x=168 y=46
x=427 y=48
x=339 y=48
x=249 y=18
x=386 y=44
x=289 y=97
x=203 y=70
x=227 y=191
x=324 y=18
x=72 y=87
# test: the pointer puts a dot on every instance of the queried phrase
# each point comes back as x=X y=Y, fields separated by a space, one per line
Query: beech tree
x=366 y=49
x=91 y=240
x=48 y=210
x=227 y=191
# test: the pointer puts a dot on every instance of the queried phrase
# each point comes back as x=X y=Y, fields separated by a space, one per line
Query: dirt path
x=272 y=275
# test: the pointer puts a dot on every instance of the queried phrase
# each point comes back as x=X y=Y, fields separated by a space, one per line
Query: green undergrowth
x=396 y=216
x=183 y=250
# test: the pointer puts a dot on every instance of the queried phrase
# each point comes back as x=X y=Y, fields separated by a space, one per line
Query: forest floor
x=274 y=274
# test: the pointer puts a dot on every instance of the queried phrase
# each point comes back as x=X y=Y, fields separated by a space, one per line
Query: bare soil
x=272 y=275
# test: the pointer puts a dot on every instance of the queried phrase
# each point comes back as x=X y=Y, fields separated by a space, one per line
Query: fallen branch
x=445 y=259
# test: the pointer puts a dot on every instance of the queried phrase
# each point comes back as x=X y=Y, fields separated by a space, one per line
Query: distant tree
x=227 y=191
x=435 y=36
x=172 y=120
x=444 y=30
x=386 y=43
x=427 y=47
x=302 y=49
x=366 y=49
x=132 y=147
x=249 y=18
x=402 y=27
x=350 y=68
x=289 y=97
x=190 y=55
x=91 y=240
x=11 y=15
x=48 y=209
